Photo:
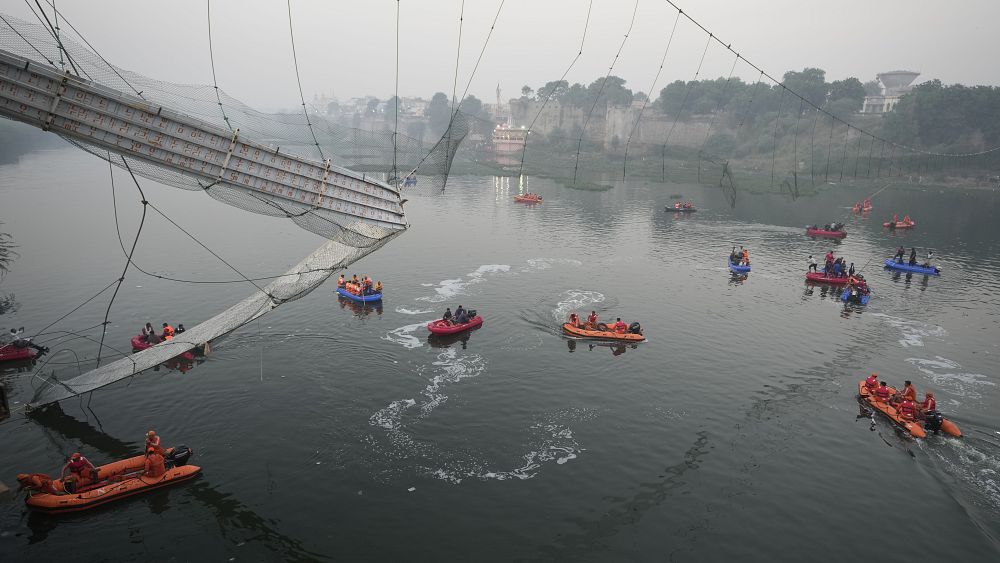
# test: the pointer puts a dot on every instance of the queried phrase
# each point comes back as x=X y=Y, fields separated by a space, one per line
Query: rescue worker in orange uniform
x=378 y=286
x=746 y=257
x=908 y=394
x=153 y=441
x=168 y=331
x=871 y=383
x=882 y=393
x=592 y=320
x=620 y=327
x=574 y=320
x=928 y=404
x=154 y=465
x=340 y=281
x=81 y=472
x=907 y=409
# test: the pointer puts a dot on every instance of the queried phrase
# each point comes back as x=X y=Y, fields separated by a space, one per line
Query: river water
x=326 y=431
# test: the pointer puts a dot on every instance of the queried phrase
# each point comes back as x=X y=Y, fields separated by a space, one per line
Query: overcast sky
x=348 y=46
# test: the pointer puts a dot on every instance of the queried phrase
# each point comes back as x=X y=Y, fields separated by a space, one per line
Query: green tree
x=848 y=89
x=873 y=88
x=554 y=88
x=810 y=84
x=439 y=113
x=526 y=91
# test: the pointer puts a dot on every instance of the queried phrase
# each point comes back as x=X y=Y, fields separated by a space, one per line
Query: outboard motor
x=472 y=313
x=635 y=328
x=179 y=456
x=933 y=421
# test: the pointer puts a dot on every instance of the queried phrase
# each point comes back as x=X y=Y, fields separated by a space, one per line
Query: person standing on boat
x=812 y=263
x=900 y=252
x=930 y=256
x=154 y=465
x=913 y=256
x=850 y=271
x=153 y=441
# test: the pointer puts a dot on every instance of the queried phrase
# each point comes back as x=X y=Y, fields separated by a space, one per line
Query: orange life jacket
x=871 y=383
x=929 y=404
x=882 y=393
x=907 y=409
x=910 y=394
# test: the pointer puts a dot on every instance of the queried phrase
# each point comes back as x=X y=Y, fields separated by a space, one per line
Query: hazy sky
x=348 y=46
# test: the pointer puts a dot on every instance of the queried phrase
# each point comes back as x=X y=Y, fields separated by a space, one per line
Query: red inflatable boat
x=813 y=232
x=11 y=353
x=441 y=327
x=820 y=277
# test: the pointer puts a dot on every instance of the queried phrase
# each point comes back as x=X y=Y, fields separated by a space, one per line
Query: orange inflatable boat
x=116 y=480
x=933 y=422
x=606 y=334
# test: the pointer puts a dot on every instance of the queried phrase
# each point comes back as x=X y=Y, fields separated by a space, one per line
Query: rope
x=600 y=91
x=142 y=221
x=211 y=58
x=843 y=160
x=548 y=96
x=829 y=150
x=75 y=309
x=298 y=79
x=650 y=90
x=687 y=93
x=774 y=141
x=395 y=125
x=25 y=39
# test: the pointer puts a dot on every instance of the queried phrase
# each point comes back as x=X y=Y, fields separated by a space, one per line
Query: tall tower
x=497 y=111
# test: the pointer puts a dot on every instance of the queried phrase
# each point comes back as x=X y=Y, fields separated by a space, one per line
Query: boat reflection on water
x=446 y=340
x=826 y=291
x=737 y=279
x=360 y=310
x=908 y=279
x=617 y=348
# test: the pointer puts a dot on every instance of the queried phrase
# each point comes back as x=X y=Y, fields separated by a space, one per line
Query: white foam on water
x=912 y=332
x=391 y=417
x=404 y=335
x=941 y=372
x=405 y=311
x=450 y=288
x=574 y=299
x=450 y=368
x=979 y=471
x=535 y=264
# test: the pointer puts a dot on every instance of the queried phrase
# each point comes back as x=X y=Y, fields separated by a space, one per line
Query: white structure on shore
x=894 y=85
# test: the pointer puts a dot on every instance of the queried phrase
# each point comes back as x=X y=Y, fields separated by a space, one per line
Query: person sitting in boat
x=907 y=410
x=147 y=331
x=930 y=256
x=908 y=393
x=592 y=320
x=620 y=327
x=882 y=394
x=354 y=279
x=153 y=441
x=871 y=383
x=378 y=286
x=913 y=256
x=341 y=282
x=154 y=466
x=746 y=257
x=81 y=472
x=168 y=332
x=734 y=257
x=574 y=320
x=447 y=317
x=928 y=404
x=907 y=220
x=461 y=316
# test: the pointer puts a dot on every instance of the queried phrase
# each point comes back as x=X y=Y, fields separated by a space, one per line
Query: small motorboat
x=915 y=268
x=849 y=296
x=139 y=343
x=820 y=277
x=604 y=332
x=441 y=326
x=114 y=481
x=899 y=225
x=360 y=298
x=528 y=198
x=933 y=421
x=12 y=353
x=738 y=268
x=681 y=208
x=817 y=232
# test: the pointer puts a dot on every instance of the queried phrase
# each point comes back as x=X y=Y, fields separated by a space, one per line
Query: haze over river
x=328 y=431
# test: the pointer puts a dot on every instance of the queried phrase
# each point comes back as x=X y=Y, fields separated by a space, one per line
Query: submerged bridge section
x=249 y=173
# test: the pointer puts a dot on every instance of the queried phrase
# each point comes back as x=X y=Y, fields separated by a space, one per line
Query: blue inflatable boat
x=737 y=268
x=916 y=268
x=860 y=299
x=362 y=298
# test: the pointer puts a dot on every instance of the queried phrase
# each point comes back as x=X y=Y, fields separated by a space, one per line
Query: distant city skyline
x=349 y=47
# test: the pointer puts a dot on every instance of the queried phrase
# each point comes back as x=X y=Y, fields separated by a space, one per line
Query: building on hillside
x=894 y=84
